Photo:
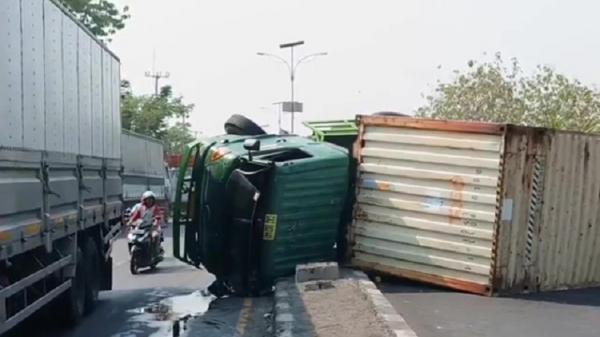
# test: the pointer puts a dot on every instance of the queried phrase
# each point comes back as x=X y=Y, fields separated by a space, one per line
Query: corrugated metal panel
x=309 y=199
x=157 y=160
x=107 y=104
x=70 y=92
x=116 y=109
x=10 y=74
x=553 y=237
x=85 y=93
x=134 y=154
x=142 y=155
x=53 y=77
x=97 y=106
x=32 y=15
x=45 y=66
x=427 y=202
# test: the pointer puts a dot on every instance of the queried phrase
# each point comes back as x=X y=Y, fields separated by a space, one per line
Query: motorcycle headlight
x=130 y=236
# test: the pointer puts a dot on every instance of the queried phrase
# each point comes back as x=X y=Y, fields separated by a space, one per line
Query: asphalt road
x=153 y=303
x=435 y=312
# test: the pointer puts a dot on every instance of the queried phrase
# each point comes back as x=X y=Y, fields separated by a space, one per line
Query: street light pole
x=292 y=69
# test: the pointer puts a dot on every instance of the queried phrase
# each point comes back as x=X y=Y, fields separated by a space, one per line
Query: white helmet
x=148 y=194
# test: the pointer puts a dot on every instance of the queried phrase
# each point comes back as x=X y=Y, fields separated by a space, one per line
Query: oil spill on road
x=169 y=316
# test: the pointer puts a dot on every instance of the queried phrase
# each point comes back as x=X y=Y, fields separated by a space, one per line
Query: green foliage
x=177 y=137
x=101 y=17
x=151 y=116
x=495 y=92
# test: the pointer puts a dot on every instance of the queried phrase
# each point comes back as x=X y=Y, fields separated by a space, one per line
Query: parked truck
x=60 y=150
x=144 y=168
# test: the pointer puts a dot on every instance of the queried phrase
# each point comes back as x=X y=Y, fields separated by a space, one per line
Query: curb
x=394 y=323
x=291 y=320
x=289 y=316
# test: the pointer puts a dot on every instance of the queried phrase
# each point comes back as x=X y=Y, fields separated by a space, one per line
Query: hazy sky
x=382 y=54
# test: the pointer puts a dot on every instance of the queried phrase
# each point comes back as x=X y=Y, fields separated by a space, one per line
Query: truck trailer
x=144 y=168
x=60 y=162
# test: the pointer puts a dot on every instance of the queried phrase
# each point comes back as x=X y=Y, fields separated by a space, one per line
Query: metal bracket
x=46 y=181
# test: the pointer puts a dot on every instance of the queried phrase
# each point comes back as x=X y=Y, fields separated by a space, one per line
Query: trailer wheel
x=75 y=296
x=92 y=273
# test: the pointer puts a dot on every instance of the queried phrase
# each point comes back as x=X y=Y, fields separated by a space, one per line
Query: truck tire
x=242 y=126
x=390 y=113
x=92 y=274
x=74 y=300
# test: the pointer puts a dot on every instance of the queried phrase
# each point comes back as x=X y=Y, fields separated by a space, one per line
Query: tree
x=494 y=92
x=152 y=116
x=176 y=137
x=101 y=17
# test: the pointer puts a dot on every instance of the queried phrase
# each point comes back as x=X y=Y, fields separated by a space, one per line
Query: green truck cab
x=256 y=206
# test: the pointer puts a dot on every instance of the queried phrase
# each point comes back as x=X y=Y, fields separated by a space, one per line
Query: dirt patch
x=341 y=310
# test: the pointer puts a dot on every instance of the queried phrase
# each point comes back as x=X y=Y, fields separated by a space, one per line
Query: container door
x=427 y=201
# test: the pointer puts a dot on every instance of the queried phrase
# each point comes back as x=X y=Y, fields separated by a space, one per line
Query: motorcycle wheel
x=133 y=265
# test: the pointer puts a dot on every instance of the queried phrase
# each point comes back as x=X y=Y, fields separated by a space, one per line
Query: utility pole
x=156 y=76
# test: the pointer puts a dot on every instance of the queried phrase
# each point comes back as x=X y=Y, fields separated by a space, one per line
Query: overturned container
x=259 y=205
x=483 y=208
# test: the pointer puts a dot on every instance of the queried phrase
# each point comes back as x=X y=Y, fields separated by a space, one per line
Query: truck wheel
x=75 y=296
x=92 y=273
x=242 y=126
x=390 y=113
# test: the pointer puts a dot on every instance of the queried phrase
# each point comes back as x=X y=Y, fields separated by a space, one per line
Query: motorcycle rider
x=148 y=204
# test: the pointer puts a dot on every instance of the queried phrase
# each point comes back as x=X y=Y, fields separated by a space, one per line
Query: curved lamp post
x=292 y=67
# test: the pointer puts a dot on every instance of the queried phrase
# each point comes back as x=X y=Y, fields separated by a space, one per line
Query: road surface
x=148 y=305
x=436 y=312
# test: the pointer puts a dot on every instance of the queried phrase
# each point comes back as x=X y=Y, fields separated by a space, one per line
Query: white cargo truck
x=143 y=168
x=60 y=162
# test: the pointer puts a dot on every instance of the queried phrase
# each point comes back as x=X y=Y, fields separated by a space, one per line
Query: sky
x=383 y=55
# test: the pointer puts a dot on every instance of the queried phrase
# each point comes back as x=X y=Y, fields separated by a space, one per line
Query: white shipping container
x=484 y=208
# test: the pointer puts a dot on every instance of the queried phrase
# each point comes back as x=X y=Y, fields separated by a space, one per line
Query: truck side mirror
x=250 y=145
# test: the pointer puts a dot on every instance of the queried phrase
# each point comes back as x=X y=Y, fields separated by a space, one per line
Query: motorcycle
x=143 y=250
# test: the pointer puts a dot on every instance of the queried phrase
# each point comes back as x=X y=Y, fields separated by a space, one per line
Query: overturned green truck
x=257 y=206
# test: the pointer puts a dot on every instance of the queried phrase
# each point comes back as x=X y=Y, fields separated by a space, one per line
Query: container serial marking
x=270 y=227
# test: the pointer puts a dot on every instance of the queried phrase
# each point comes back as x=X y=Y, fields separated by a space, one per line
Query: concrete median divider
x=326 y=301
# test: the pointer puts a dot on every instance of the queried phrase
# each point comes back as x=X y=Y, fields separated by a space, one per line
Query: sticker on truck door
x=270 y=227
